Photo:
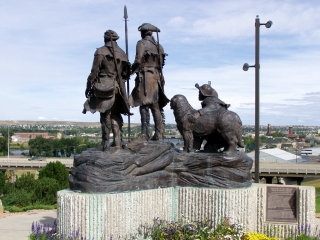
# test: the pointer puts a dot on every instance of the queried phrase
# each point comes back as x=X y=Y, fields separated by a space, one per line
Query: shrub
x=26 y=182
x=8 y=187
x=2 y=181
x=45 y=191
x=20 y=198
x=58 y=171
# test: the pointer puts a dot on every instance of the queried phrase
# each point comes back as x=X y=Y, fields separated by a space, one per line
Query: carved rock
x=150 y=165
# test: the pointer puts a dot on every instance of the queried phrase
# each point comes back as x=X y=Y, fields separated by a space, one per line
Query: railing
x=39 y=163
x=269 y=168
x=278 y=168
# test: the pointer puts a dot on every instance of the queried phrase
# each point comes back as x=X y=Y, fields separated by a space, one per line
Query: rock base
x=152 y=165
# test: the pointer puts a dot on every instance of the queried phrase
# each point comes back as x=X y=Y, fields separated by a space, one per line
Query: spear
x=127 y=52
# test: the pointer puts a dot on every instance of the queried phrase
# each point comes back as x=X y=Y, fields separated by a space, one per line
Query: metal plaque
x=281 y=204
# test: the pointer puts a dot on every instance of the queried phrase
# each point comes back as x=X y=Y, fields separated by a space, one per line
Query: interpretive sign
x=281 y=204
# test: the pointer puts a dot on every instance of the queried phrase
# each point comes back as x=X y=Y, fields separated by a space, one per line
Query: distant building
x=278 y=142
x=269 y=132
x=290 y=134
x=25 y=136
x=277 y=156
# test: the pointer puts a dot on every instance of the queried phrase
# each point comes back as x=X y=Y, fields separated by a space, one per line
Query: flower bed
x=182 y=229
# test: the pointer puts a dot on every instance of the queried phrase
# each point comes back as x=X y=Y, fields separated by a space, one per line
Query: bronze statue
x=220 y=127
x=148 y=92
x=105 y=90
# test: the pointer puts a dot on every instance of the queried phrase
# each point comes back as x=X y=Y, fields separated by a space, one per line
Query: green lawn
x=316 y=184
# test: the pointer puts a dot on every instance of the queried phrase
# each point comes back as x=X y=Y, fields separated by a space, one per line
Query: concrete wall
x=101 y=215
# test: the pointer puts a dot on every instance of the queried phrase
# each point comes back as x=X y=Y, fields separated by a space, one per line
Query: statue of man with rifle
x=148 y=92
x=106 y=91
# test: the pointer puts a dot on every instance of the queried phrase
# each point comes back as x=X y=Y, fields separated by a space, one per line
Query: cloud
x=44 y=67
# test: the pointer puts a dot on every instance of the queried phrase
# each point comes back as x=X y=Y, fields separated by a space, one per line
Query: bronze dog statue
x=221 y=121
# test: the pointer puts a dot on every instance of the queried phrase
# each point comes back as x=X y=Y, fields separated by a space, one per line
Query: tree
x=58 y=171
x=3 y=146
x=248 y=141
x=277 y=134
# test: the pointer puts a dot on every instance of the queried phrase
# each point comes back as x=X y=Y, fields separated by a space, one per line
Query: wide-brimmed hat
x=111 y=35
x=206 y=90
x=148 y=27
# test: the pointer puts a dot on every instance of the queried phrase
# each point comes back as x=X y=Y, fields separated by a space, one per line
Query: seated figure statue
x=221 y=128
x=210 y=100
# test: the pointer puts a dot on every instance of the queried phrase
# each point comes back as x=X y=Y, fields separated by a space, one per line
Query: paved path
x=18 y=227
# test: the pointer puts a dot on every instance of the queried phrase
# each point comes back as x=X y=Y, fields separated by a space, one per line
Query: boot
x=145 y=119
x=105 y=127
x=116 y=126
x=105 y=145
x=158 y=125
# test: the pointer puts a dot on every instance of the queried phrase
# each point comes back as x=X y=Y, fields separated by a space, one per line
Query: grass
x=31 y=207
x=315 y=183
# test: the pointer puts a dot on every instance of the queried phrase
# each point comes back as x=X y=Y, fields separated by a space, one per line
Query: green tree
x=3 y=146
x=248 y=141
x=277 y=134
x=57 y=171
x=36 y=145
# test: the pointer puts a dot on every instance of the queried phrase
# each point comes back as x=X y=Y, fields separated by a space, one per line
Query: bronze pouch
x=104 y=90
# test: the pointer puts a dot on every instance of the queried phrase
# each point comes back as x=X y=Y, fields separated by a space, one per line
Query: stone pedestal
x=1 y=208
x=119 y=214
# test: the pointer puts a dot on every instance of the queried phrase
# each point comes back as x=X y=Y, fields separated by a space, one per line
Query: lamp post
x=8 y=139
x=257 y=95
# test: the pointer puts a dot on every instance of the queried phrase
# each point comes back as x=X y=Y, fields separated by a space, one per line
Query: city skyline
x=47 y=51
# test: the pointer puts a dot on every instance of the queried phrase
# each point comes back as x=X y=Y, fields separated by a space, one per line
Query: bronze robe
x=148 y=83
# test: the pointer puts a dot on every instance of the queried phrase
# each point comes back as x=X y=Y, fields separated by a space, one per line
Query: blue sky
x=47 y=48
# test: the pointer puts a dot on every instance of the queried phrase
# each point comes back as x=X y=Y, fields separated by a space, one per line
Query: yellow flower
x=257 y=236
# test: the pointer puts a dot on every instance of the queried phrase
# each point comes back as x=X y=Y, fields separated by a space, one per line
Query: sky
x=47 y=47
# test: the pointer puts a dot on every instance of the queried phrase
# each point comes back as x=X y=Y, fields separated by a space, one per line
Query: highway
x=265 y=168
x=24 y=163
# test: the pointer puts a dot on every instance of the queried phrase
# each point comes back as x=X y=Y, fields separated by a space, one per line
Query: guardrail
x=25 y=163
x=313 y=169
x=269 y=168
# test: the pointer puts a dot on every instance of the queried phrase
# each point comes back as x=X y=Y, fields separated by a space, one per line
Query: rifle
x=127 y=53
x=121 y=84
x=160 y=65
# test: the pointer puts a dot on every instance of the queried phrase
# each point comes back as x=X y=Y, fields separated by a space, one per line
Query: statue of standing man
x=105 y=89
x=148 y=92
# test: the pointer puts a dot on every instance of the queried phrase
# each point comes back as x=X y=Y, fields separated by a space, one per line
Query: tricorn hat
x=206 y=90
x=110 y=34
x=148 y=27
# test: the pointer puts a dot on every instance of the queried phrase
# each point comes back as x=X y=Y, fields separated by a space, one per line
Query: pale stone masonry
x=119 y=214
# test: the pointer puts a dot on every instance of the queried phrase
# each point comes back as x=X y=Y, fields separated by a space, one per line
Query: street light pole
x=8 y=140
x=257 y=94
x=257 y=103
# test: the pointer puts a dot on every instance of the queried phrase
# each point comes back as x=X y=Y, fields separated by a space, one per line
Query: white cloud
x=47 y=49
